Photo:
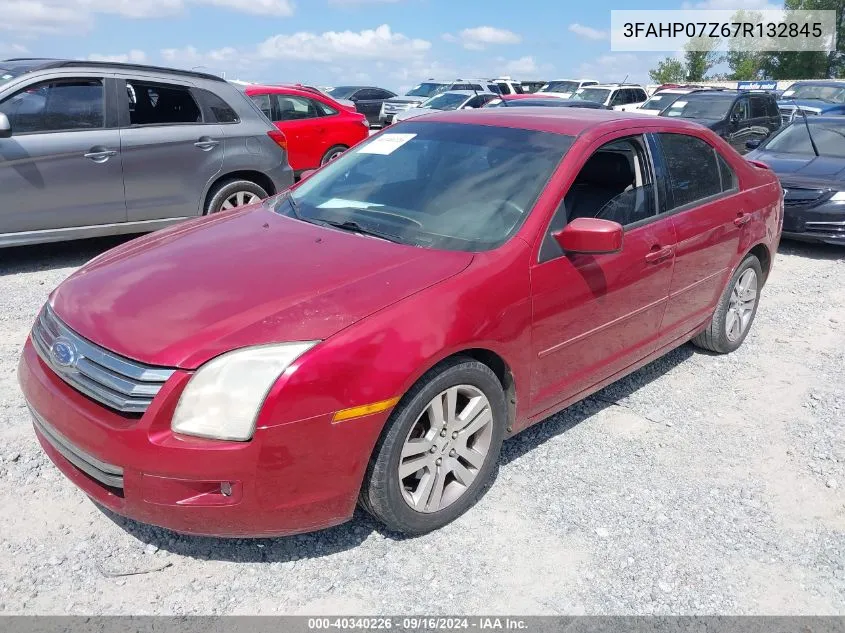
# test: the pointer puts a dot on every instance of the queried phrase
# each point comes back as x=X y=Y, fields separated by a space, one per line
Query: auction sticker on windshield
x=386 y=144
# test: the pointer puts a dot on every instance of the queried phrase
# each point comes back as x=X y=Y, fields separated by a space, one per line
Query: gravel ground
x=700 y=484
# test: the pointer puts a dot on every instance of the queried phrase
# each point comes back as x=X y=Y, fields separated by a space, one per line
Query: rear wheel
x=439 y=449
x=736 y=310
x=333 y=153
x=233 y=194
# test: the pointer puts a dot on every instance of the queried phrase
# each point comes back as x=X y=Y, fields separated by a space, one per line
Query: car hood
x=800 y=166
x=182 y=296
x=404 y=100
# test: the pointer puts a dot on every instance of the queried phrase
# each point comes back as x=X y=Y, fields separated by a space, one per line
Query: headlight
x=223 y=399
x=839 y=196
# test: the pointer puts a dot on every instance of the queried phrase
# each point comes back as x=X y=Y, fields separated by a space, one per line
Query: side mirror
x=307 y=174
x=5 y=126
x=753 y=143
x=590 y=235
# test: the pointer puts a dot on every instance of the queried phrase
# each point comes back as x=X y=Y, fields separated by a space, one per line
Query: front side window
x=161 y=104
x=434 y=185
x=56 y=106
x=692 y=167
x=295 y=108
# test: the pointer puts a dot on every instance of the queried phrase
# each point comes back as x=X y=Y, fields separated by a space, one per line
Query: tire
x=388 y=497
x=333 y=153
x=230 y=190
x=722 y=334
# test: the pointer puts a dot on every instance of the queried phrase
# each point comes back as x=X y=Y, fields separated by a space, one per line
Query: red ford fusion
x=318 y=129
x=372 y=335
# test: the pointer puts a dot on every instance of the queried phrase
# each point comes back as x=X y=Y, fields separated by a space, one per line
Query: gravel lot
x=700 y=484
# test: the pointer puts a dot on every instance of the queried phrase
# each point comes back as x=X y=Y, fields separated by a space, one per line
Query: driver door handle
x=99 y=155
x=742 y=219
x=205 y=143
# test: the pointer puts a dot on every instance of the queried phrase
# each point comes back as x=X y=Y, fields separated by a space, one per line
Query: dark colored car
x=813 y=97
x=522 y=101
x=367 y=99
x=735 y=116
x=99 y=148
x=374 y=334
x=813 y=185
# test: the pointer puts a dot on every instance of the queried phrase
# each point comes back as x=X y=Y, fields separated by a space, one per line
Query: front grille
x=801 y=197
x=786 y=113
x=825 y=227
x=119 y=383
x=106 y=474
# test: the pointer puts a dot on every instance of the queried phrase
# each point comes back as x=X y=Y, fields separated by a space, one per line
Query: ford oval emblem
x=64 y=354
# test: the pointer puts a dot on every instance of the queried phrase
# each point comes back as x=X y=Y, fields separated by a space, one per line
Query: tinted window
x=828 y=135
x=384 y=94
x=220 y=110
x=772 y=107
x=758 y=108
x=438 y=185
x=692 y=168
x=157 y=104
x=294 y=108
x=727 y=174
x=54 y=106
x=367 y=94
x=639 y=95
x=264 y=104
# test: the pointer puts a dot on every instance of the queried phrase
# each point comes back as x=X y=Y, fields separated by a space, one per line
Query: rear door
x=300 y=119
x=701 y=195
x=170 y=151
x=61 y=167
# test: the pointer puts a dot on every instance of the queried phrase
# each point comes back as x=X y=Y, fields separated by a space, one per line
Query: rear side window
x=639 y=95
x=758 y=108
x=693 y=170
x=161 y=104
x=56 y=106
x=221 y=111
x=324 y=110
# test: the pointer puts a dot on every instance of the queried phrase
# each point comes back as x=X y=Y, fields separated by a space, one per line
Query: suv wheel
x=233 y=194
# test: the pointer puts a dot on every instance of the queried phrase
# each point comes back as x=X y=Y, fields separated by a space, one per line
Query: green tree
x=745 y=63
x=701 y=55
x=669 y=71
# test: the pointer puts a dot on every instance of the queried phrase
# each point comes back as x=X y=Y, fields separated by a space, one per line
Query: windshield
x=598 y=95
x=426 y=90
x=660 y=101
x=829 y=137
x=342 y=92
x=447 y=101
x=434 y=185
x=711 y=108
x=828 y=94
x=7 y=73
x=560 y=86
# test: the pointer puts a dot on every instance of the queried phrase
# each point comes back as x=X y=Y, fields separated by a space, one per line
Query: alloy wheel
x=741 y=306
x=446 y=448
x=239 y=199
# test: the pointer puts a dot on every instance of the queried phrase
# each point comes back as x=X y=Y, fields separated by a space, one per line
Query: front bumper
x=822 y=224
x=291 y=478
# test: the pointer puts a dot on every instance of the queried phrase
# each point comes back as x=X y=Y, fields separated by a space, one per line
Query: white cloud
x=480 y=37
x=134 y=56
x=277 y=8
x=522 y=66
x=589 y=32
x=618 y=66
x=350 y=3
x=331 y=46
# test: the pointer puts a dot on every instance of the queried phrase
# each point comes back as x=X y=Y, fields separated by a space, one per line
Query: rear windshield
x=426 y=90
x=433 y=185
x=342 y=92
x=692 y=107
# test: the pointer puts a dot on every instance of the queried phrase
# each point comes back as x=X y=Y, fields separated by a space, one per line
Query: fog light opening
x=226 y=489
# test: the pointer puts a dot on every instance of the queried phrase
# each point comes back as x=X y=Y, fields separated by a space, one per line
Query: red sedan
x=318 y=129
x=375 y=333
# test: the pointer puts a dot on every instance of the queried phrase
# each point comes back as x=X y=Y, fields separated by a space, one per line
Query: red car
x=375 y=333
x=318 y=129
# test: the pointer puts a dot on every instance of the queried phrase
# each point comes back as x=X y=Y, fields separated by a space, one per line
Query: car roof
x=570 y=121
x=299 y=92
x=465 y=93
x=35 y=64
x=611 y=86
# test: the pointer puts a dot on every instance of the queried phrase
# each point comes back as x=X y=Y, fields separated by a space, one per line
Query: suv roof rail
x=64 y=63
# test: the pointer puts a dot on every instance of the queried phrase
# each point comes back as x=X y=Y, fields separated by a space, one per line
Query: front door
x=169 y=153
x=61 y=168
x=595 y=315
x=300 y=120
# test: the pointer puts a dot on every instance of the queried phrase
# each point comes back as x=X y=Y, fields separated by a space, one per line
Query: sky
x=390 y=43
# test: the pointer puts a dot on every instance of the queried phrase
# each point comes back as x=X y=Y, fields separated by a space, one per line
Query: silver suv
x=95 y=148
x=427 y=89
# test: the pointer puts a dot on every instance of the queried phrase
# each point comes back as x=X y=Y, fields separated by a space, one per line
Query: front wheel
x=439 y=449
x=736 y=309
x=234 y=194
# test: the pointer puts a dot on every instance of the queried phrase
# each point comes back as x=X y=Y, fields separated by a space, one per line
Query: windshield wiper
x=354 y=227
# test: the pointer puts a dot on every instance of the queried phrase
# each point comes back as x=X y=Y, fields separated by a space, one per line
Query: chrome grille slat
x=117 y=382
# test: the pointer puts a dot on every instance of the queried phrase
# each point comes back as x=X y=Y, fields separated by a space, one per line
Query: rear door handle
x=659 y=255
x=205 y=143
x=99 y=155
x=742 y=219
